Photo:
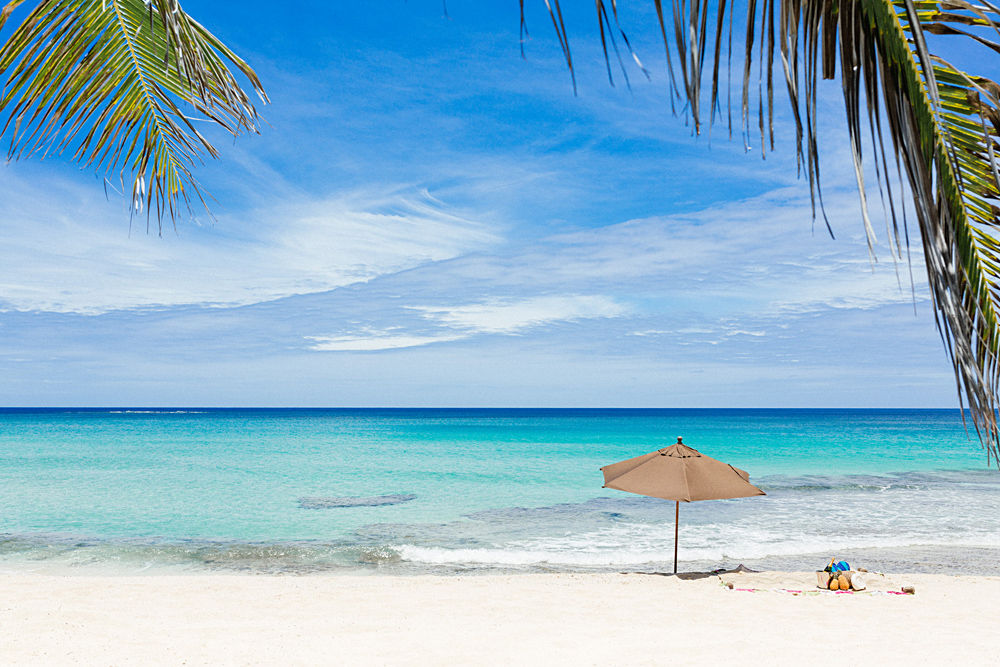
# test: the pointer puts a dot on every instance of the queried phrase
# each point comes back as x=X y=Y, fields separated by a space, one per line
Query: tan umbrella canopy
x=681 y=474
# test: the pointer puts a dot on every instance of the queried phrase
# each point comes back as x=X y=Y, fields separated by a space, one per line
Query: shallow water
x=414 y=491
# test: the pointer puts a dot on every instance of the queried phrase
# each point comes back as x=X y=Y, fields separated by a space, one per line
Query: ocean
x=445 y=491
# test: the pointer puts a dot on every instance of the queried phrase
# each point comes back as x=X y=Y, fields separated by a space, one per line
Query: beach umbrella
x=681 y=474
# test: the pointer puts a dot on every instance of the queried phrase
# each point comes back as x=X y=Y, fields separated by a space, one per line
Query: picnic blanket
x=804 y=583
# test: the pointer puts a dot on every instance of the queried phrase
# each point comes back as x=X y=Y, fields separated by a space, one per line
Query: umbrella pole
x=677 y=520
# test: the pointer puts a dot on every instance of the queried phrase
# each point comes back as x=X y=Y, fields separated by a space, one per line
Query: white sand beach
x=547 y=619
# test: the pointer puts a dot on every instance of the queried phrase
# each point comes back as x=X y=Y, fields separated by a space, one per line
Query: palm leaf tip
x=8 y=10
x=110 y=80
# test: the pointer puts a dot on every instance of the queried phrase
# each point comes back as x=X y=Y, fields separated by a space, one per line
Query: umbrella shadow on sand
x=692 y=576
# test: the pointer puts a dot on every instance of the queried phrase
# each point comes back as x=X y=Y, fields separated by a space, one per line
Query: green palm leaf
x=110 y=79
x=943 y=127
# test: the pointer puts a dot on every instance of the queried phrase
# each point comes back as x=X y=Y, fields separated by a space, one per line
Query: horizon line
x=136 y=408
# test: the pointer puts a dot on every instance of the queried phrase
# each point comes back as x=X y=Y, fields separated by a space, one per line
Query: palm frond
x=938 y=120
x=943 y=126
x=110 y=80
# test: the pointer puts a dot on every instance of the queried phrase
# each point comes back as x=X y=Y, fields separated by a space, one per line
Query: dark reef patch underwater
x=322 y=503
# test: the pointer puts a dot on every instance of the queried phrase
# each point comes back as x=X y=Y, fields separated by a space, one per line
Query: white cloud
x=731 y=276
x=460 y=322
x=66 y=256
x=375 y=340
x=759 y=256
x=509 y=316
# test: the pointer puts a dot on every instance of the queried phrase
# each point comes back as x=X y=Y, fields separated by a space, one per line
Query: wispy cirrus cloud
x=64 y=254
x=370 y=340
x=512 y=316
x=453 y=323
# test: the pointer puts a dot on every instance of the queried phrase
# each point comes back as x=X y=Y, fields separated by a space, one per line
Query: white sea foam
x=641 y=544
x=157 y=412
x=439 y=556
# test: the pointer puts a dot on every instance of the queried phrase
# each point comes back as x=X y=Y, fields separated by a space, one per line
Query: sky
x=427 y=219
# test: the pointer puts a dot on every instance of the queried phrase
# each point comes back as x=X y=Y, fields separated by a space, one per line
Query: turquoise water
x=481 y=489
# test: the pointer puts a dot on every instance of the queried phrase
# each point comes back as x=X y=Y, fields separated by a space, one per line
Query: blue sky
x=429 y=220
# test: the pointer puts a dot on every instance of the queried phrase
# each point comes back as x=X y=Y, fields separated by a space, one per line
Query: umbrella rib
x=687 y=487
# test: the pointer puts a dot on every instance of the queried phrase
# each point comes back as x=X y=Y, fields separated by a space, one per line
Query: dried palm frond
x=943 y=126
x=110 y=80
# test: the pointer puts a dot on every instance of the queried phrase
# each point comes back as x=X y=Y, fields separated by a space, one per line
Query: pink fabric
x=818 y=591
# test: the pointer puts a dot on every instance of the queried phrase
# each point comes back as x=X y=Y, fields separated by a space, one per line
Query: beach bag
x=854 y=578
x=835 y=569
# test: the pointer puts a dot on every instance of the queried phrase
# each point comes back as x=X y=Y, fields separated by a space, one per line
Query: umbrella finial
x=679 y=440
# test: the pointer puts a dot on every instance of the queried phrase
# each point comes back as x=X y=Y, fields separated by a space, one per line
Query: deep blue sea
x=456 y=491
